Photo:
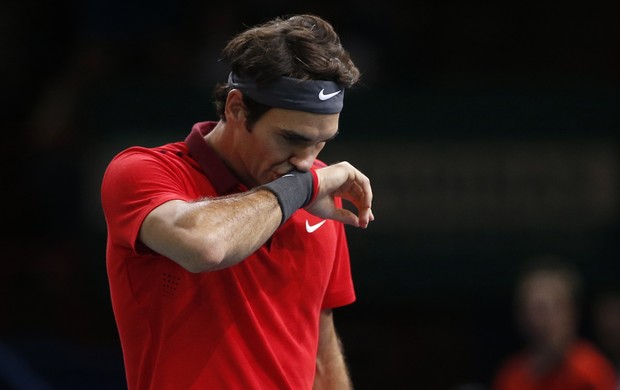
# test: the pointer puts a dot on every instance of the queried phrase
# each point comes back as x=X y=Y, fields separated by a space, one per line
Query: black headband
x=315 y=96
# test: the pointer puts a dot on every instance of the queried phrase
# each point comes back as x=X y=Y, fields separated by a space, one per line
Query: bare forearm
x=213 y=233
x=240 y=224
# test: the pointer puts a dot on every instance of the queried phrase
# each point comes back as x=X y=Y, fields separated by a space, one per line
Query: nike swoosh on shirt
x=313 y=228
x=325 y=96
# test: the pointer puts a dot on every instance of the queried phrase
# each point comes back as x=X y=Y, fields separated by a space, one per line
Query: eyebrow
x=294 y=136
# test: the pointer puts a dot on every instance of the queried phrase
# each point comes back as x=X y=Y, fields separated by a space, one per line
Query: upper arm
x=135 y=183
x=327 y=330
x=162 y=233
x=331 y=368
x=329 y=348
x=147 y=201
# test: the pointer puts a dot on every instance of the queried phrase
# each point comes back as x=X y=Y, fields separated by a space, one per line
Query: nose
x=303 y=158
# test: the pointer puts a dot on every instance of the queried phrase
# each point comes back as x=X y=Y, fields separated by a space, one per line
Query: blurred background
x=489 y=131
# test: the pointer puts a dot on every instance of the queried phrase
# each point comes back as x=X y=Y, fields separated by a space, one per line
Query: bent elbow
x=209 y=256
x=197 y=267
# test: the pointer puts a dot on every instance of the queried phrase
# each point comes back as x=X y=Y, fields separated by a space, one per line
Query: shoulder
x=137 y=159
x=137 y=166
x=586 y=353
x=591 y=363
x=136 y=154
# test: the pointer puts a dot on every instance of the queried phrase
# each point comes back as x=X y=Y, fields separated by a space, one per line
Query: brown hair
x=301 y=46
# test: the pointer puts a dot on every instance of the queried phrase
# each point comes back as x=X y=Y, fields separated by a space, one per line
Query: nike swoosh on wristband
x=325 y=96
x=313 y=228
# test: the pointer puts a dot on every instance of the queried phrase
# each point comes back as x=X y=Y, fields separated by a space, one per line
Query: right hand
x=347 y=182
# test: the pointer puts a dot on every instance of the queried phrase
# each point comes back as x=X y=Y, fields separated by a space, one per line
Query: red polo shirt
x=250 y=326
x=583 y=368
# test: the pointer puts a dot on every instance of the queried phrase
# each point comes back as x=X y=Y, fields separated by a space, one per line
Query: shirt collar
x=212 y=165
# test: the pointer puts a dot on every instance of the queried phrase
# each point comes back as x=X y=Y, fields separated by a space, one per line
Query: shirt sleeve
x=135 y=182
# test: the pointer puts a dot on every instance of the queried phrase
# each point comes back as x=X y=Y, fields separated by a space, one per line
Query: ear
x=235 y=109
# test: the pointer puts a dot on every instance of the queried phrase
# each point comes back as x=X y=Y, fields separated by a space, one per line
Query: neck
x=221 y=139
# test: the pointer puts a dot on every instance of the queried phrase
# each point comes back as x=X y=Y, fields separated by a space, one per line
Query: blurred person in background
x=555 y=357
x=227 y=252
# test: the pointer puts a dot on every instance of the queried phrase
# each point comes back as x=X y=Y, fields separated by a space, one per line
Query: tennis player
x=226 y=252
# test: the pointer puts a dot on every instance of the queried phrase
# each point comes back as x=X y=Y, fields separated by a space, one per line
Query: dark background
x=489 y=131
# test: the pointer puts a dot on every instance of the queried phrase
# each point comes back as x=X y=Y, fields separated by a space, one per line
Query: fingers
x=365 y=217
x=345 y=181
x=360 y=194
x=347 y=217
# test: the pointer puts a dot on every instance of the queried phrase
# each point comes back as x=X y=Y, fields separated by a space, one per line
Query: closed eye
x=295 y=138
x=299 y=139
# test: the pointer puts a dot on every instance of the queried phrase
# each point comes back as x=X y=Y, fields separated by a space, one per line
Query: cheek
x=269 y=163
x=260 y=150
x=269 y=156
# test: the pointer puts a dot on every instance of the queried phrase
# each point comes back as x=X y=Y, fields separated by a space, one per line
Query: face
x=546 y=311
x=280 y=141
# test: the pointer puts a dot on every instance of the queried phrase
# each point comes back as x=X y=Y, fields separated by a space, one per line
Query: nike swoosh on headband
x=324 y=96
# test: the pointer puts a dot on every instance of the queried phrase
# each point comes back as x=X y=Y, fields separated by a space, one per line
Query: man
x=226 y=253
x=554 y=357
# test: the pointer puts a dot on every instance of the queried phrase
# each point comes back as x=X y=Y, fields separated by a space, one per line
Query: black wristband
x=293 y=190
